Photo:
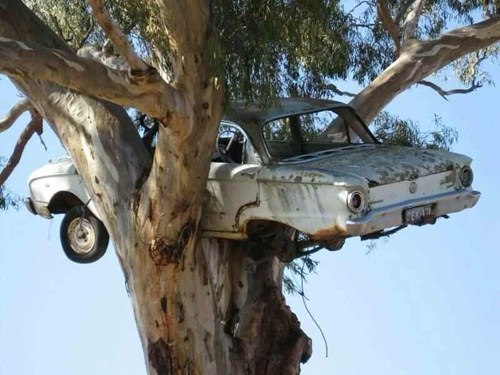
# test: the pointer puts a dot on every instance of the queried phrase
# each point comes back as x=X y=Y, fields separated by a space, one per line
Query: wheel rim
x=81 y=235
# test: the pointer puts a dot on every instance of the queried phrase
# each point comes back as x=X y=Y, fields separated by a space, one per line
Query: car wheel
x=84 y=238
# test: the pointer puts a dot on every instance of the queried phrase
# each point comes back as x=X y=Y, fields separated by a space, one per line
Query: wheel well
x=63 y=201
x=265 y=228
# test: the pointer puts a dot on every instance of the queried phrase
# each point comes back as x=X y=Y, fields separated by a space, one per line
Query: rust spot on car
x=372 y=183
x=255 y=203
x=335 y=231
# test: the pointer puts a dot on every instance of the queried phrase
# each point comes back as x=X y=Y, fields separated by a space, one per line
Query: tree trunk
x=201 y=306
x=218 y=309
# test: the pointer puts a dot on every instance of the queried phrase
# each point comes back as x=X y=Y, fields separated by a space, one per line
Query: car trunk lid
x=382 y=164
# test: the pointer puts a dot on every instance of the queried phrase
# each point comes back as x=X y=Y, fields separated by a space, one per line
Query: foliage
x=396 y=131
x=7 y=198
x=296 y=272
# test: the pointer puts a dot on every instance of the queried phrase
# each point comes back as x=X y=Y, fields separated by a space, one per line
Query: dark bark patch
x=96 y=179
x=163 y=304
x=180 y=311
x=160 y=357
x=151 y=210
x=207 y=340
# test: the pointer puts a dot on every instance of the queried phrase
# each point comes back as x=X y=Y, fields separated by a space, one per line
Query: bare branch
x=358 y=5
x=14 y=113
x=385 y=17
x=115 y=34
x=87 y=34
x=445 y=93
x=337 y=91
x=403 y=10
x=411 y=22
x=34 y=126
x=148 y=93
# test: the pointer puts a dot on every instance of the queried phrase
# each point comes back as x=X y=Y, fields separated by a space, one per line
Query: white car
x=277 y=175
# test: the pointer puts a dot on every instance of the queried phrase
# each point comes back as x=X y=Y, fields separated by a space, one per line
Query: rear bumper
x=392 y=216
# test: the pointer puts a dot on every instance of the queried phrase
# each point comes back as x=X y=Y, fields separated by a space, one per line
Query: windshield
x=306 y=133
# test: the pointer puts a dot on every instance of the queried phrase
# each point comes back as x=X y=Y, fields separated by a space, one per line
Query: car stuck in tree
x=306 y=172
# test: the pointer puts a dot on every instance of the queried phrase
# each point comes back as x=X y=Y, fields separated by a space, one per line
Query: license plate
x=417 y=214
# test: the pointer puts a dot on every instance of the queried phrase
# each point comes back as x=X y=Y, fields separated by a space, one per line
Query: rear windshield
x=302 y=134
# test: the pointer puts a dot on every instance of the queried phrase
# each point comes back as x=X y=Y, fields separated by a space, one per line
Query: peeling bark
x=145 y=91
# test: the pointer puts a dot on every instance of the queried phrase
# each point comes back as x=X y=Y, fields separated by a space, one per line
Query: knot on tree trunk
x=164 y=252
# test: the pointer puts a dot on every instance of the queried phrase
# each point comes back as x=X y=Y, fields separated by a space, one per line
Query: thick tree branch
x=445 y=93
x=411 y=22
x=385 y=17
x=34 y=126
x=14 y=113
x=119 y=39
x=20 y=60
x=422 y=59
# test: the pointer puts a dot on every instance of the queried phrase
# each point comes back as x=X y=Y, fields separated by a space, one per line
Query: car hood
x=382 y=164
x=62 y=166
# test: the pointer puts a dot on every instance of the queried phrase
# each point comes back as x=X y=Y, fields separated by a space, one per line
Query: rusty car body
x=310 y=166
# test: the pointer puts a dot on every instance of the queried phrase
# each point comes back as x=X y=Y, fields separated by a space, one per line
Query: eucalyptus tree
x=207 y=306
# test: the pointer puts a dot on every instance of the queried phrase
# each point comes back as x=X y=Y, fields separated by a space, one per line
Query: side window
x=233 y=146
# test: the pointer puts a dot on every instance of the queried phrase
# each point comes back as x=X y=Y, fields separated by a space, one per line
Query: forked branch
x=34 y=126
x=445 y=93
x=411 y=22
x=117 y=37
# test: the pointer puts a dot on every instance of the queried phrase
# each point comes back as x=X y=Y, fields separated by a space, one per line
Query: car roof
x=243 y=111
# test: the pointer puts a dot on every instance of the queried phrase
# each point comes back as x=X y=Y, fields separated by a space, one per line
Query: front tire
x=84 y=238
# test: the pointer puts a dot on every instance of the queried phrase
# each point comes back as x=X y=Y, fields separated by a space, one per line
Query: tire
x=84 y=238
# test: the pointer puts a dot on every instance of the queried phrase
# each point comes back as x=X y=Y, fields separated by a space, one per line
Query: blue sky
x=427 y=301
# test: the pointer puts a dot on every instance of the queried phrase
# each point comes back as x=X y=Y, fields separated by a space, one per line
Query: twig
x=115 y=34
x=87 y=34
x=445 y=93
x=337 y=91
x=385 y=17
x=15 y=112
x=34 y=126
x=358 y=5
